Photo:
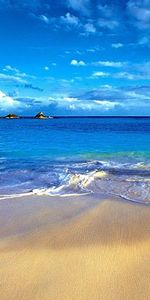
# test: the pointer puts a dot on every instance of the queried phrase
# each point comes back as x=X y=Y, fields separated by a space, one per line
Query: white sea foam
x=81 y=178
x=14 y=196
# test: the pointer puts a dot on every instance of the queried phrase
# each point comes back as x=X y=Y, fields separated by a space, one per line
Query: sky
x=75 y=57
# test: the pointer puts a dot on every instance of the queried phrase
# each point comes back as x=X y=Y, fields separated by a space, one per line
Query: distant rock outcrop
x=12 y=116
x=41 y=115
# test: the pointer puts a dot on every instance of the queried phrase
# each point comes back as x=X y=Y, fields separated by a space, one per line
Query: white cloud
x=100 y=74
x=133 y=94
x=105 y=63
x=115 y=64
x=107 y=105
x=127 y=75
x=46 y=68
x=143 y=70
x=7 y=102
x=73 y=21
x=16 y=72
x=139 y=10
x=10 y=68
x=145 y=40
x=110 y=24
x=69 y=99
x=66 y=102
x=117 y=45
x=75 y=62
x=91 y=50
x=85 y=105
x=70 y=19
x=117 y=94
x=12 y=78
x=44 y=19
x=81 y=6
x=138 y=72
x=89 y=28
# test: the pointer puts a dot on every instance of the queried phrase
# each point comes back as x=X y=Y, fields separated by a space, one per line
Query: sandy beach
x=74 y=248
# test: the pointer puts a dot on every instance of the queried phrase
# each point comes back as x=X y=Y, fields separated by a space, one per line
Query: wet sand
x=74 y=248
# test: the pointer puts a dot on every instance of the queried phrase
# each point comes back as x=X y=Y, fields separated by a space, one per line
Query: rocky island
x=11 y=116
x=41 y=115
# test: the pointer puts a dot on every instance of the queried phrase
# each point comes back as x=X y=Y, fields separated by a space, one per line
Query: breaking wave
x=126 y=180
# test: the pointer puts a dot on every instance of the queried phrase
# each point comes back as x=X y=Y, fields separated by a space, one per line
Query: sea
x=72 y=156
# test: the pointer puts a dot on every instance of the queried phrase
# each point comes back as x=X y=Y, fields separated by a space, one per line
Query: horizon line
x=76 y=116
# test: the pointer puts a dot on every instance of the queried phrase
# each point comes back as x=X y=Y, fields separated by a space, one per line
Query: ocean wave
x=76 y=184
x=134 y=189
x=130 y=181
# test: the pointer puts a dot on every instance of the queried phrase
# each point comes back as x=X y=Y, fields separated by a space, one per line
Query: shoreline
x=99 y=195
x=74 y=248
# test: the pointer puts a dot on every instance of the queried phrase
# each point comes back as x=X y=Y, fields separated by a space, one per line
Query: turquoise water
x=40 y=154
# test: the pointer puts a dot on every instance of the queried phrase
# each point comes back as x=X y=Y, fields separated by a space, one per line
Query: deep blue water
x=41 y=153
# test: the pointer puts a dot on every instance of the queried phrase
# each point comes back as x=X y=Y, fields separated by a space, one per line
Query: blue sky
x=75 y=57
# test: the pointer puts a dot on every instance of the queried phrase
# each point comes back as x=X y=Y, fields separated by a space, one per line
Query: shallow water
x=57 y=156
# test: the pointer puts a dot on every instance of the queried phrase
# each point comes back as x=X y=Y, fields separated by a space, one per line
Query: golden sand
x=96 y=253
